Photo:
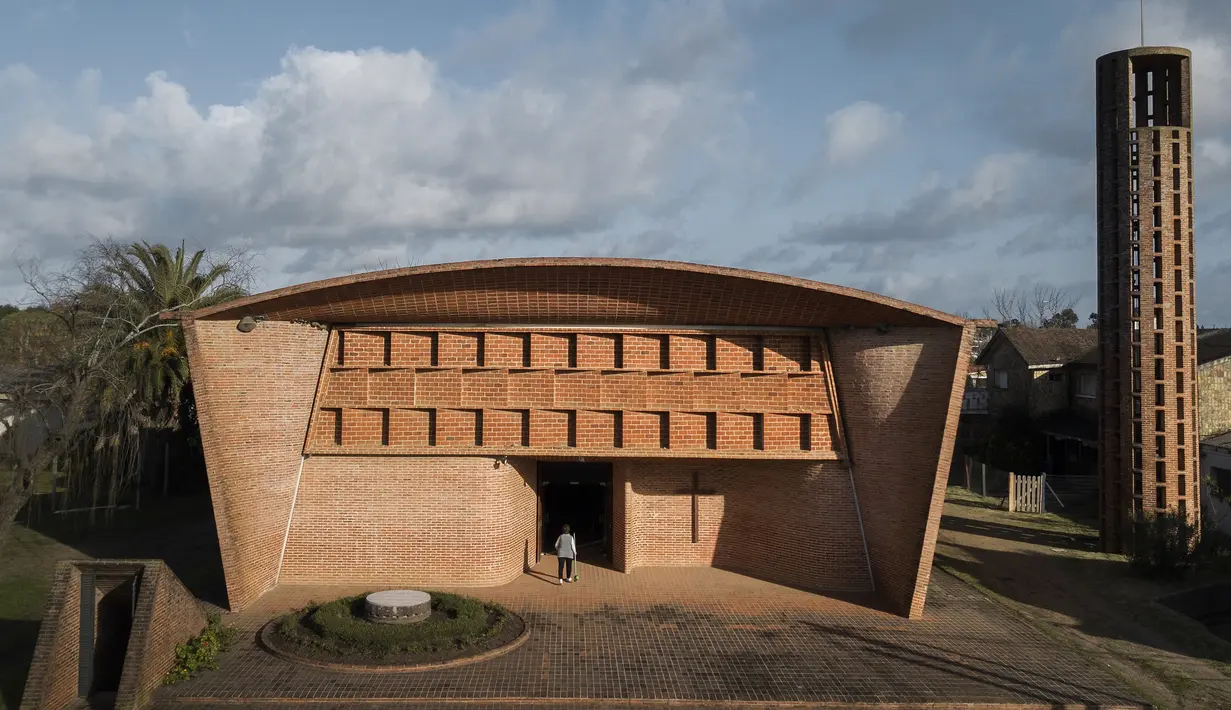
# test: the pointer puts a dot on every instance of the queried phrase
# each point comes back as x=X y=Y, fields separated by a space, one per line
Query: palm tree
x=109 y=369
x=155 y=280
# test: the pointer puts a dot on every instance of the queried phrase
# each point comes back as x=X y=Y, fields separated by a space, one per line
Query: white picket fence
x=1027 y=494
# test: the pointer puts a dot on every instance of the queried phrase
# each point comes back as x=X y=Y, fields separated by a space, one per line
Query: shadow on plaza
x=1102 y=597
x=982 y=670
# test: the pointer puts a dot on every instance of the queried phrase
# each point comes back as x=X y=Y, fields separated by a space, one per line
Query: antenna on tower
x=1141 y=7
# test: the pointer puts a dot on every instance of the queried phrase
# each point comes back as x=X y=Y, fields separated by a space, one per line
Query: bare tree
x=79 y=393
x=1042 y=307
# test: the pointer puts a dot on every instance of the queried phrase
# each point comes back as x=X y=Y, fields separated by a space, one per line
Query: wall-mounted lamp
x=247 y=324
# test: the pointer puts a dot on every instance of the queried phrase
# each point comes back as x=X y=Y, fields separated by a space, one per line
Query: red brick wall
x=167 y=615
x=899 y=396
x=52 y=679
x=364 y=349
x=505 y=349
x=689 y=352
x=789 y=522
x=643 y=352
x=592 y=409
x=412 y=520
x=410 y=350
x=254 y=394
x=455 y=520
x=478 y=392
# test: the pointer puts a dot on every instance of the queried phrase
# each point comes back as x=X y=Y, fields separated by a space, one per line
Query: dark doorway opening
x=108 y=608
x=579 y=495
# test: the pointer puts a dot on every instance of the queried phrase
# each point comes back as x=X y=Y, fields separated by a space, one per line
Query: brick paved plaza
x=690 y=634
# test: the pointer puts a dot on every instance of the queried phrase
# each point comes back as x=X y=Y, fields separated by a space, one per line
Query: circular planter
x=304 y=647
x=271 y=647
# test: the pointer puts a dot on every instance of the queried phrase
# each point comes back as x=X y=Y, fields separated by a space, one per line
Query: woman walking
x=566 y=552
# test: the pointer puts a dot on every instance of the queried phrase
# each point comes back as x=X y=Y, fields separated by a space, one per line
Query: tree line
x=1043 y=307
x=90 y=363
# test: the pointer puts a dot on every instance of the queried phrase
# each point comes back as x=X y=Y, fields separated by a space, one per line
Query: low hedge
x=340 y=628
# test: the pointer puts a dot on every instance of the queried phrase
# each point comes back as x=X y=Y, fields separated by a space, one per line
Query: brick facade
x=253 y=398
x=903 y=386
x=167 y=615
x=759 y=518
x=618 y=393
x=466 y=521
x=398 y=442
x=1148 y=359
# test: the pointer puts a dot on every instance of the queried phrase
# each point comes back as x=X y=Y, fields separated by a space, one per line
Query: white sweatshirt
x=566 y=547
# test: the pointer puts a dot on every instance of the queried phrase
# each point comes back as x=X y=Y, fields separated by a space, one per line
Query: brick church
x=436 y=425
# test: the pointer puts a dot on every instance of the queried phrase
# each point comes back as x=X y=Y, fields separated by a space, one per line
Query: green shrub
x=1164 y=545
x=1213 y=549
x=200 y=653
x=340 y=627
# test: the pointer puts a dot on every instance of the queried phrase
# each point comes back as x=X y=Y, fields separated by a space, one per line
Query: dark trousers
x=566 y=561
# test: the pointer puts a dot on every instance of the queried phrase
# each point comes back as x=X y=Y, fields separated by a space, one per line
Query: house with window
x=973 y=425
x=1052 y=373
x=1214 y=422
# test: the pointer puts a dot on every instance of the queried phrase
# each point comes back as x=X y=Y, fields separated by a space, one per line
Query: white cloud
x=1000 y=187
x=995 y=179
x=1182 y=23
x=345 y=151
x=858 y=130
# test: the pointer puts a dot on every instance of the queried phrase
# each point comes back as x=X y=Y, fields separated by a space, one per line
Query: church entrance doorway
x=576 y=494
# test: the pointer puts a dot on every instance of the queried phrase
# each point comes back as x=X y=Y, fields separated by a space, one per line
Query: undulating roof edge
x=251 y=304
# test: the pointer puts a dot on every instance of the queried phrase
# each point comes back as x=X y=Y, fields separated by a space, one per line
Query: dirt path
x=1045 y=568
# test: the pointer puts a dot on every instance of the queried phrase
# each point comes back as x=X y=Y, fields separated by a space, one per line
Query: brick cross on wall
x=695 y=491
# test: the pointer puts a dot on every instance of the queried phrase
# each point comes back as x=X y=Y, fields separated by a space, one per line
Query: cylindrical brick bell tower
x=1148 y=444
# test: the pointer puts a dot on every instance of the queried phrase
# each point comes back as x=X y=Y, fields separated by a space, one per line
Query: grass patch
x=25 y=579
x=962 y=494
x=338 y=631
x=1052 y=522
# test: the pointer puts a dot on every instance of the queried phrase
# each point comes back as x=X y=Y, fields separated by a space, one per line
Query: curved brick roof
x=578 y=291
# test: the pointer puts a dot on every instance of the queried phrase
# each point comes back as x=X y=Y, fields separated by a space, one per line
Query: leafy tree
x=86 y=385
x=30 y=338
x=1066 y=318
x=6 y=309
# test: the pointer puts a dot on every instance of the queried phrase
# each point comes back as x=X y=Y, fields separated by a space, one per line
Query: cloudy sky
x=926 y=149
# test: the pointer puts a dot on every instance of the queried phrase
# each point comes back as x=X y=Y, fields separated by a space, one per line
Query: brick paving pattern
x=693 y=635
